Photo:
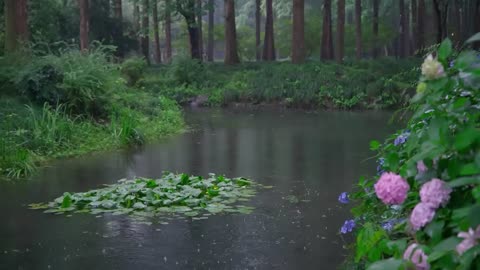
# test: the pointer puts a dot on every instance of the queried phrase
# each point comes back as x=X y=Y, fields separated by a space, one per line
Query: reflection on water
x=309 y=158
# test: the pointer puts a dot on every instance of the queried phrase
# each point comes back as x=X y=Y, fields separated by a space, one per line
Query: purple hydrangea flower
x=391 y=188
x=343 y=198
x=421 y=167
x=421 y=215
x=389 y=224
x=401 y=139
x=348 y=226
x=435 y=192
x=470 y=239
x=416 y=255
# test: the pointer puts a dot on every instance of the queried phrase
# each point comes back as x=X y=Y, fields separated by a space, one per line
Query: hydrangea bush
x=422 y=210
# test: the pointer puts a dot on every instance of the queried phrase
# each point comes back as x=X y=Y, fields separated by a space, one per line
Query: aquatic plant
x=172 y=193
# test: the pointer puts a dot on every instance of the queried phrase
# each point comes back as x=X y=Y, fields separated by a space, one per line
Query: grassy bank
x=369 y=84
x=68 y=103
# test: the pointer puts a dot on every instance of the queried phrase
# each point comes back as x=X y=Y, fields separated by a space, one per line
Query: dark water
x=309 y=158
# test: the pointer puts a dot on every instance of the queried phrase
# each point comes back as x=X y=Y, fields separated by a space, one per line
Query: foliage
x=173 y=193
x=133 y=68
x=441 y=141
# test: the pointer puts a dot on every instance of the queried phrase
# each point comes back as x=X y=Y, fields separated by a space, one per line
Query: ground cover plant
x=177 y=194
x=422 y=211
x=367 y=84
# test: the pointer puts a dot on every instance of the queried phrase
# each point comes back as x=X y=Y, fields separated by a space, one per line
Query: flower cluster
x=343 y=198
x=432 y=69
x=348 y=226
x=381 y=162
x=416 y=255
x=391 y=188
x=470 y=239
x=421 y=167
x=401 y=139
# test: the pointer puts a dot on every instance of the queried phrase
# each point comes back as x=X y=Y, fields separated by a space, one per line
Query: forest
x=247 y=134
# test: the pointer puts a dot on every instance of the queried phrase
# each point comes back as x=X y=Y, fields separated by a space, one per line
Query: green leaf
x=466 y=138
x=473 y=38
x=464 y=181
x=67 y=200
x=469 y=169
x=434 y=230
x=447 y=244
x=445 y=50
x=388 y=264
x=374 y=145
x=474 y=216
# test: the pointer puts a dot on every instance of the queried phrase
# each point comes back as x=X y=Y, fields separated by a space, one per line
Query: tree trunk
x=440 y=9
x=231 y=54
x=158 y=53
x=145 y=39
x=358 y=29
x=457 y=22
x=340 y=31
x=327 y=40
x=407 y=31
x=257 y=29
x=187 y=9
x=84 y=24
x=200 y=27
x=11 y=38
x=168 y=32
x=269 y=43
x=211 y=24
x=421 y=24
x=414 y=13
x=298 y=32
x=376 y=49
x=136 y=26
x=402 y=29
x=117 y=9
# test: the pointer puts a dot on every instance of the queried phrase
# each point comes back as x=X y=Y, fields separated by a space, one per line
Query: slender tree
x=187 y=9
x=136 y=25
x=168 y=32
x=211 y=24
x=298 y=32
x=145 y=39
x=414 y=12
x=200 y=27
x=11 y=38
x=157 y=50
x=117 y=9
x=457 y=22
x=231 y=54
x=421 y=14
x=376 y=4
x=269 y=43
x=402 y=29
x=257 y=29
x=84 y=24
x=327 y=40
x=340 y=31
x=358 y=29
x=407 y=31
x=440 y=10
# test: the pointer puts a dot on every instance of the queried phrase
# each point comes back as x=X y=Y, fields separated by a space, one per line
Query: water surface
x=309 y=158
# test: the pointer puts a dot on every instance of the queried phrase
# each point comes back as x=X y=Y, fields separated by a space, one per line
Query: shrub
x=437 y=156
x=187 y=71
x=133 y=69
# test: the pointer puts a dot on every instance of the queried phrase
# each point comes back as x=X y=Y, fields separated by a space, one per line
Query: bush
x=426 y=201
x=187 y=71
x=133 y=69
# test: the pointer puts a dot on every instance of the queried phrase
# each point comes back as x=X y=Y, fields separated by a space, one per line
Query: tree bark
x=414 y=44
x=11 y=40
x=402 y=29
x=269 y=43
x=421 y=24
x=158 y=53
x=327 y=40
x=298 y=32
x=145 y=39
x=200 y=27
x=117 y=9
x=136 y=25
x=257 y=29
x=440 y=9
x=231 y=53
x=187 y=9
x=407 y=31
x=457 y=22
x=84 y=24
x=340 y=31
x=358 y=29
x=376 y=49
x=211 y=24
x=168 y=32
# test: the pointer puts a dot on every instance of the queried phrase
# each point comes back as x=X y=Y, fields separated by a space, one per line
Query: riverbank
x=370 y=84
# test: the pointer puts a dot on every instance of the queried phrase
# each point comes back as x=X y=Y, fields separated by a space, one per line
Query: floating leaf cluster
x=173 y=193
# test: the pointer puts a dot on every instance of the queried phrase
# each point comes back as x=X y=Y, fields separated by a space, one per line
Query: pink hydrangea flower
x=470 y=239
x=421 y=167
x=416 y=255
x=391 y=188
x=432 y=69
x=435 y=192
x=421 y=215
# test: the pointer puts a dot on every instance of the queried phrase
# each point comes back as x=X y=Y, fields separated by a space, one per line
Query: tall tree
x=440 y=10
x=84 y=24
x=407 y=30
x=358 y=29
x=376 y=4
x=145 y=39
x=200 y=26
x=168 y=31
x=269 y=43
x=421 y=14
x=117 y=32
x=231 y=53
x=456 y=15
x=327 y=40
x=257 y=29
x=414 y=42
x=340 y=31
x=402 y=29
x=136 y=25
x=16 y=24
x=117 y=9
x=157 y=50
x=187 y=9
x=211 y=24
x=298 y=32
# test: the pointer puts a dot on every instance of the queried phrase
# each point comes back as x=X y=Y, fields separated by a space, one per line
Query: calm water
x=309 y=158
